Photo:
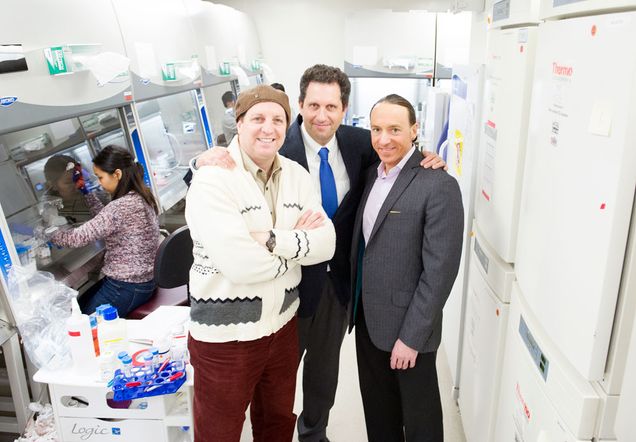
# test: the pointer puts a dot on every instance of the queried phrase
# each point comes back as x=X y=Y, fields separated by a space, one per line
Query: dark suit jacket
x=412 y=257
x=358 y=154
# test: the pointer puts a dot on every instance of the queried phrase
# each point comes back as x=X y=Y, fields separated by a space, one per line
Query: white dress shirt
x=335 y=161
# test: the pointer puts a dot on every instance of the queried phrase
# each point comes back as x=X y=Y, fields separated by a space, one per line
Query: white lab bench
x=80 y=402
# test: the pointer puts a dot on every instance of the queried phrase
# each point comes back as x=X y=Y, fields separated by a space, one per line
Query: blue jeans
x=124 y=296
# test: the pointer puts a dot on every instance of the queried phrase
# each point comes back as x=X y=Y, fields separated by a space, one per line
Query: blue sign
x=116 y=431
x=7 y=101
x=140 y=155
x=5 y=258
x=206 y=126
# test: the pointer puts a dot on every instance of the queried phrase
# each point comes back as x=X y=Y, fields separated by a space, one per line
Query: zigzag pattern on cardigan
x=290 y=296
x=248 y=208
x=307 y=241
x=292 y=205
x=217 y=312
x=297 y=251
x=283 y=262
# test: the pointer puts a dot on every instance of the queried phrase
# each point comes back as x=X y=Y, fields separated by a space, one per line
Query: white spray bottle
x=80 y=340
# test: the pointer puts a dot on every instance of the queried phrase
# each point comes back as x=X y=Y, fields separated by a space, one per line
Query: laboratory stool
x=172 y=273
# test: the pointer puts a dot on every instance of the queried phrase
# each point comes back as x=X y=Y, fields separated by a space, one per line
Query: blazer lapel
x=294 y=147
x=351 y=159
x=357 y=226
x=403 y=180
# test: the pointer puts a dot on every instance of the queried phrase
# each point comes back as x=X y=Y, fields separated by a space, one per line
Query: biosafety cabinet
x=67 y=106
x=63 y=82
x=167 y=122
x=213 y=29
x=228 y=45
x=249 y=66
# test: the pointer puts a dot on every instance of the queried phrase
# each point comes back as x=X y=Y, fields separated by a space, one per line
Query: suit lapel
x=357 y=226
x=294 y=147
x=403 y=180
x=351 y=159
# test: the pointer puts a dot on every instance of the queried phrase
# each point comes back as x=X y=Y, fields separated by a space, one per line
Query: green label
x=56 y=61
x=224 y=68
x=168 y=72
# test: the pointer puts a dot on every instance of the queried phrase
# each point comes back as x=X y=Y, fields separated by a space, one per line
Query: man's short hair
x=278 y=86
x=321 y=73
x=227 y=98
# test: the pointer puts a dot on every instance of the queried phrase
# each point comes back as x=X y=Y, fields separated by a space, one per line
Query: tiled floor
x=346 y=422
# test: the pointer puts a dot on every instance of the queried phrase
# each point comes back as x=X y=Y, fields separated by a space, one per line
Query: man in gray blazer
x=407 y=242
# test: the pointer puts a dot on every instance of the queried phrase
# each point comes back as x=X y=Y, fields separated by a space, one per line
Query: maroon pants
x=230 y=375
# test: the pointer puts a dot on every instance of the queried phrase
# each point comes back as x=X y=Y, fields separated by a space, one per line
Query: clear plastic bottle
x=107 y=365
x=80 y=339
x=149 y=367
x=112 y=332
x=163 y=347
x=154 y=351
x=179 y=347
x=126 y=365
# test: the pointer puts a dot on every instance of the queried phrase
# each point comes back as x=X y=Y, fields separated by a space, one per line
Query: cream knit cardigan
x=239 y=290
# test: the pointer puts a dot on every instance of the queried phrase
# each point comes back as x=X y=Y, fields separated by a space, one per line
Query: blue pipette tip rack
x=150 y=384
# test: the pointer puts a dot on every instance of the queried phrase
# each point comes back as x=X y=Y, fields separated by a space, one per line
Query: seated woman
x=129 y=227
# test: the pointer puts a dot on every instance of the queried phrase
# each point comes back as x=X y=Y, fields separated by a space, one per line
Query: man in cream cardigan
x=252 y=228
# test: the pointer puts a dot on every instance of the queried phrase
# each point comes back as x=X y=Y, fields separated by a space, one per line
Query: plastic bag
x=41 y=306
x=42 y=429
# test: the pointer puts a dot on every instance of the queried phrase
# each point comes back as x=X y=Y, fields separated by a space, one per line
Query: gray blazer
x=412 y=257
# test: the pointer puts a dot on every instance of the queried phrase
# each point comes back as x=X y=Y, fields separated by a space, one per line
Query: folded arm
x=216 y=222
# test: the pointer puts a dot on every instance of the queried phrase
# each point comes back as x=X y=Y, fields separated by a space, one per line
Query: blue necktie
x=327 y=184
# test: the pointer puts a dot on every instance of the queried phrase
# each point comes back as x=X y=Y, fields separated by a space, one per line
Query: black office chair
x=172 y=273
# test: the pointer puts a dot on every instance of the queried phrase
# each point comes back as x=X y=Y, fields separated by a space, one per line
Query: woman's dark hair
x=55 y=167
x=399 y=101
x=111 y=158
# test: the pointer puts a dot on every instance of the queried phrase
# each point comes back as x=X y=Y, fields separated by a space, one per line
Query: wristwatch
x=271 y=241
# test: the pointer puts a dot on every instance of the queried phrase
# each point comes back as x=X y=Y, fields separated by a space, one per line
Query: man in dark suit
x=336 y=156
x=406 y=249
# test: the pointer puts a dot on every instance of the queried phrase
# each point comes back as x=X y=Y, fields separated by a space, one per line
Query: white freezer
x=515 y=12
x=579 y=183
x=489 y=284
x=462 y=146
x=563 y=8
x=542 y=397
x=508 y=85
x=625 y=427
